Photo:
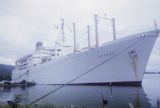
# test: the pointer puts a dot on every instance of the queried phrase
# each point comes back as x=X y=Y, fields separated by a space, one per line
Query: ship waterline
x=120 y=62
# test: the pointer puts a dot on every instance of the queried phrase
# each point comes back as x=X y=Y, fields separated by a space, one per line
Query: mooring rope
x=84 y=73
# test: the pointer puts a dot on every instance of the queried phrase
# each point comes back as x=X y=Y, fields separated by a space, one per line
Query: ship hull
x=121 y=62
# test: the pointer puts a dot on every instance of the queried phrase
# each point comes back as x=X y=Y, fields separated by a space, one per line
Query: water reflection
x=5 y=94
x=85 y=96
x=92 y=96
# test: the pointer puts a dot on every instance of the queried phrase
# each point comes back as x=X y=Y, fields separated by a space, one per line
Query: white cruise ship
x=119 y=62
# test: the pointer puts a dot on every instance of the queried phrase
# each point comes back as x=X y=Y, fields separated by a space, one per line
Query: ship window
x=52 y=49
x=58 y=49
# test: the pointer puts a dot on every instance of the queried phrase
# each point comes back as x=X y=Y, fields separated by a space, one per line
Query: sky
x=25 y=22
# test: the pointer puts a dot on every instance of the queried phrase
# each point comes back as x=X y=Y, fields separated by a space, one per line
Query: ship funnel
x=39 y=46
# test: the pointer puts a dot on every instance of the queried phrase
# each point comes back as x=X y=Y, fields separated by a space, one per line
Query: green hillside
x=5 y=72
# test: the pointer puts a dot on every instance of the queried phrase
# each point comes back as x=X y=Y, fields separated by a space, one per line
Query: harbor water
x=147 y=96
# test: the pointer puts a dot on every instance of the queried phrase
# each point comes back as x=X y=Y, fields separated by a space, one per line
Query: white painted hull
x=110 y=63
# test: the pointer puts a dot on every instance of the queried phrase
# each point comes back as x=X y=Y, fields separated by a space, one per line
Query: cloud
x=153 y=64
x=24 y=22
x=154 y=61
x=9 y=61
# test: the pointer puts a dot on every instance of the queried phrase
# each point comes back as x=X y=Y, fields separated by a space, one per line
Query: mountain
x=5 y=72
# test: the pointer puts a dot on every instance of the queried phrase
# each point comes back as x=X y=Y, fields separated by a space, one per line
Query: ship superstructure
x=42 y=55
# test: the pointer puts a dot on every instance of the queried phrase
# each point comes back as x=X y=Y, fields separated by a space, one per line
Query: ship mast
x=113 y=25
x=88 y=31
x=96 y=29
x=74 y=35
x=62 y=28
x=114 y=29
x=155 y=24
